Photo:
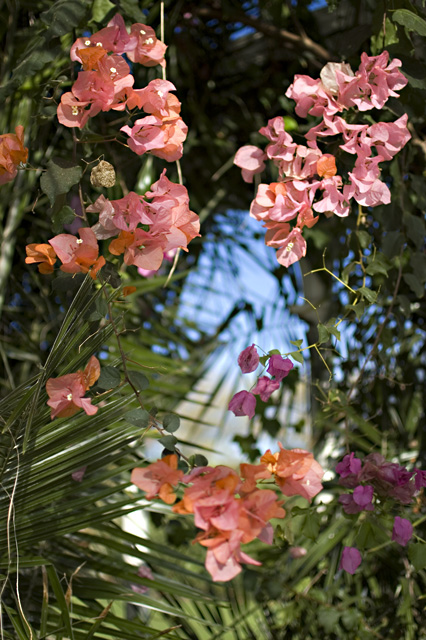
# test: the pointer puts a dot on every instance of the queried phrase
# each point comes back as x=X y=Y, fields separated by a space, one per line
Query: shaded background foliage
x=231 y=63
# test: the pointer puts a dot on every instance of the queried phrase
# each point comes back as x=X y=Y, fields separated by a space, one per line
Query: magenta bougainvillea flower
x=248 y=360
x=402 y=531
x=243 y=403
x=279 y=367
x=350 y=560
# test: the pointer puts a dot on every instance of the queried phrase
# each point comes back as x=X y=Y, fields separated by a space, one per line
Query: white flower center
x=79 y=241
x=113 y=70
x=74 y=111
x=87 y=43
x=289 y=247
x=99 y=44
x=160 y=93
x=142 y=32
x=69 y=396
x=149 y=41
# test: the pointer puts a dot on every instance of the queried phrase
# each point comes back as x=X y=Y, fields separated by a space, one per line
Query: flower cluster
x=243 y=403
x=308 y=181
x=375 y=479
x=148 y=226
x=66 y=393
x=229 y=508
x=12 y=153
x=105 y=84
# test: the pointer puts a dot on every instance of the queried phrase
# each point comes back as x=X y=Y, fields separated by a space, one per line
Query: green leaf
x=139 y=417
x=323 y=334
x=417 y=555
x=415 y=228
x=378 y=263
x=60 y=176
x=297 y=343
x=328 y=619
x=311 y=526
x=168 y=442
x=364 y=238
x=296 y=355
x=410 y=21
x=109 y=379
x=200 y=460
x=64 y=216
x=368 y=293
x=171 y=422
x=101 y=8
x=64 y=16
x=139 y=380
x=415 y=284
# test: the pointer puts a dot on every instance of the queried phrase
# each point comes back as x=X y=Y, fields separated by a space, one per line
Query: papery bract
x=350 y=560
x=248 y=360
x=265 y=387
x=42 y=254
x=250 y=159
x=402 y=531
x=243 y=403
x=159 y=478
x=78 y=256
x=66 y=393
x=279 y=367
x=12 y=153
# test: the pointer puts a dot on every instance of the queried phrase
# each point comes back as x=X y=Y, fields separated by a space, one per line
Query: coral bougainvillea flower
x=243 y=403
x=12 y=153
x=350 y=560
x=296 y=472
x=402 y=531
x=44 y=254
x=159 y=478
x=66 y=393
x=78 y=255
x=248 y=360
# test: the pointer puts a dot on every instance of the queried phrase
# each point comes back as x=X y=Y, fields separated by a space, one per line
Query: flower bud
x=103 y=175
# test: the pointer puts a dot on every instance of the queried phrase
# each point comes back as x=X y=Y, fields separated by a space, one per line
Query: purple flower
x=350 y=560
x=419 y=479
x=243 y=403
x=360 y=500
x=279 y=367
x=349 y=465
x=363 y=496
x=248 y=359
x=78 y=475
x=402 y=531
x=265 y=387
x=143 y=572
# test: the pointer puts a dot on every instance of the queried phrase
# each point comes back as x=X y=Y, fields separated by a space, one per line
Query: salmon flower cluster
x=66 y=393
x=12 y=154
x=229 y=508
x=308 y=182
x=243 y=403
x=105 y=83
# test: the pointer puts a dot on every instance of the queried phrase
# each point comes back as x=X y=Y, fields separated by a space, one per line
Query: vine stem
x=153 y=423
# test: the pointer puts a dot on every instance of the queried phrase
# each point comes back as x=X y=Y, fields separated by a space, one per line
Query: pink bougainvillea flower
x=113 y=38
x=153 y=98
x=224 y=554
x=256 y=509
x=326 y=166
x=73 y=113
x=146 y=48
x=43 y=254
x=248 y=360
x=78 y=255
x=161 y=138
x=333 y=201
x=90 y=57
x=389 y=137
x=159 y=478
x=279 y=367
x=140 y=248
x=12 y=153
x=265 y=387
x=143 y=572
x=350 y=560
x=297 y=552
x=250 y=159
x=402 y=531
x=292 y=249
x=78 y=475
x=66 y=393
x=243 y=403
